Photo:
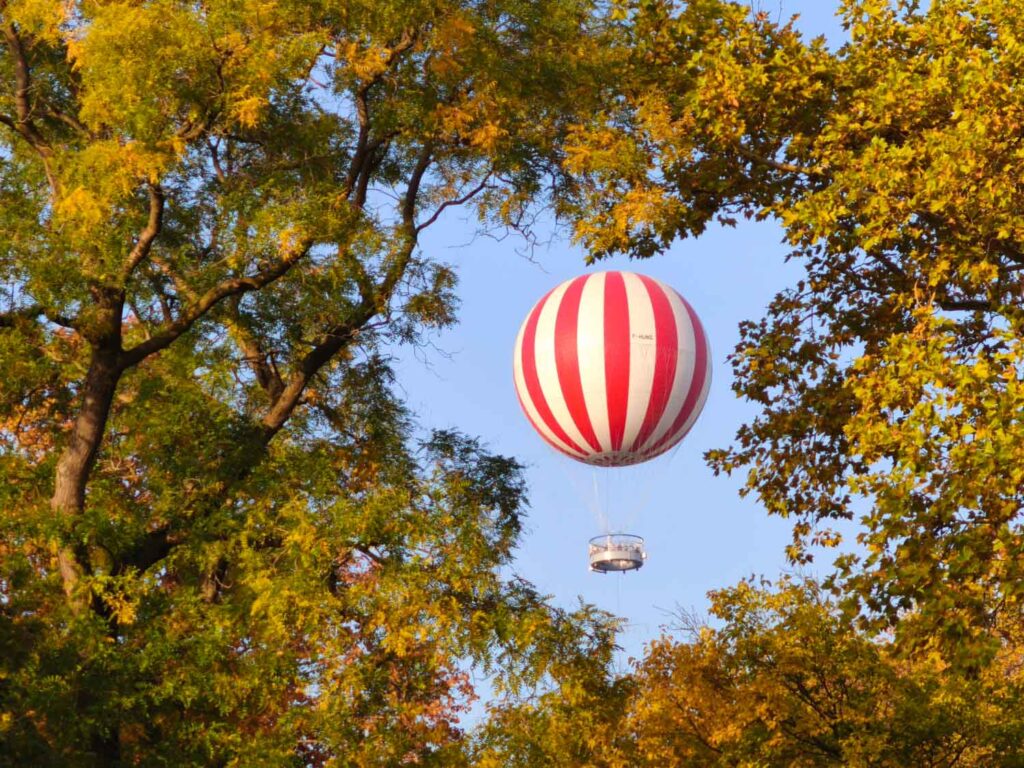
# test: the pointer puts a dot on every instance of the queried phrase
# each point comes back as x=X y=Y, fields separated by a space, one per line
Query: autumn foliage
x=225 y=540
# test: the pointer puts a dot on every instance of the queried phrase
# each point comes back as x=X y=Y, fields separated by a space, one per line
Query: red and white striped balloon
x=612 y=368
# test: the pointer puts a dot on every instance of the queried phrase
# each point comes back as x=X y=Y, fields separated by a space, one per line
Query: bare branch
x=367 y=167
x=459 y=201
x=413 y=190
x=149 y=234
x=397 y=268
x=23 y=82
x=161 y=296
x=61 y=320
x=215 y=159
x=779 y=165
x=359 y=155
x=888 y=263
x=183 y=288
x=965 y=305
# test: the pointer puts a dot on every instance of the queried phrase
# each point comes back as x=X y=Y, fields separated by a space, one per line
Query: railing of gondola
x=616 y=552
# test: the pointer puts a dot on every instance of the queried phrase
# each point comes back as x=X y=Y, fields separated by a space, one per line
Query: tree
x=223 y=539
x=788 y=680
x=783 y=677
x=579 y=720
x=889 y=377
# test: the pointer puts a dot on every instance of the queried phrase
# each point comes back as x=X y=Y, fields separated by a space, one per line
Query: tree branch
x=359 y=170
x=79 y=454
x=69 y=120
x=779 y=165
x=159 y=543
x=413 y=190
x=231 y=287
x=9 y=319
x=340 y=336
x=965 y=305
x=330 y=344
x=366 y=170
x=266 y=373
x=24 y=124
x=458 y=201
x=149 y=234
x=184 y=290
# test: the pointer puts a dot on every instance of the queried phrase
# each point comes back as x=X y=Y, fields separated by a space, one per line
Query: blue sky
x=700 y=535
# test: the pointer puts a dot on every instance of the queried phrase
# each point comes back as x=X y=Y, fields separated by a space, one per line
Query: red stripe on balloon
x=567 y=360
x=616 y=354
x=533 y=388
x=667 y=352
x=700 y=372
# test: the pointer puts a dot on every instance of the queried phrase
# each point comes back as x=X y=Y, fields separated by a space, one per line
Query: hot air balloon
x=612 y=369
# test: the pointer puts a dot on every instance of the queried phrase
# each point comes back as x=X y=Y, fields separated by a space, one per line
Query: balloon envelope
x=612 y=368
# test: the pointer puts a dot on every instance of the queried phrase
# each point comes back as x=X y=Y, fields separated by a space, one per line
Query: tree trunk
x=78 y=457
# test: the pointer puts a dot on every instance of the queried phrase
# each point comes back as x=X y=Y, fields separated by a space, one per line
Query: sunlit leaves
x=787 y=679
x=210 y=218
x=886 y=379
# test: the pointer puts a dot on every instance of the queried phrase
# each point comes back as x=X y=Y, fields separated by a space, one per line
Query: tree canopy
x=888 y=378
x=785 y=679
x=225 y=540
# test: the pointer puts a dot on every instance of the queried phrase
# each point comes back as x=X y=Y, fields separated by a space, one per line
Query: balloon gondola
x=612 y=370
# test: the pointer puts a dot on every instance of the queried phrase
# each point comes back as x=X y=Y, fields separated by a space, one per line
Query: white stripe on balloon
x=590 y=346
